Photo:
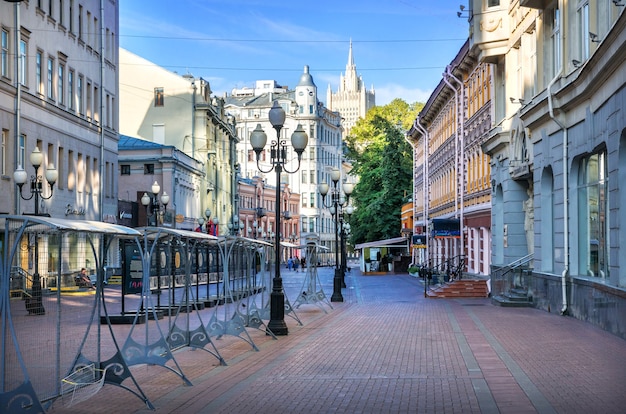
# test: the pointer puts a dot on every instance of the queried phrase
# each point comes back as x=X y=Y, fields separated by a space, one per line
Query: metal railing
x=511 y=276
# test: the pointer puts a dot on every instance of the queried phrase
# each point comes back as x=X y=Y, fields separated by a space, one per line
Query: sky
x=400 y=47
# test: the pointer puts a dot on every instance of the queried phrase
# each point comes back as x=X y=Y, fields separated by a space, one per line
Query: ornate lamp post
x=337 y=202
x=34 y=305
x=299 y=140
x=153 y=202
x=210 y=222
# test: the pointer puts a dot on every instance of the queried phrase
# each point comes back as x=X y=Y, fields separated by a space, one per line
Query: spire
x=350 y=58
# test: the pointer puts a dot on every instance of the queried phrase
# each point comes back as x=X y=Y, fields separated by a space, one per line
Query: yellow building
x=452 y=191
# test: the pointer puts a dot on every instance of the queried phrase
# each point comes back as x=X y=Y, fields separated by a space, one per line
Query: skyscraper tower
x=351 y=100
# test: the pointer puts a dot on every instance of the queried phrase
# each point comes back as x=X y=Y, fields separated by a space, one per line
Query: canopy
x=395 y=242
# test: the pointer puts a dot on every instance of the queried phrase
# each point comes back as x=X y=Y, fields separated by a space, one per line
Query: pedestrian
x=82 y=280
x=296 y=263
x=303 y=263
x=290 y=263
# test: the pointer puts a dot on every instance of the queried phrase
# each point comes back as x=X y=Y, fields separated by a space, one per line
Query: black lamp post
x=337 y=202
x=299 y=140
x=34 y=304
x=153 y=202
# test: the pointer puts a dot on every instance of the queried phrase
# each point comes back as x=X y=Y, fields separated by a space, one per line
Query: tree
x=383 y=161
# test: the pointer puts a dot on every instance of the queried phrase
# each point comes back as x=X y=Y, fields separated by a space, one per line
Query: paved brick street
x=387 y=349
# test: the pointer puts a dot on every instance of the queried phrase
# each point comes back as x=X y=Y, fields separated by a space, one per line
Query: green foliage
x=383 y=161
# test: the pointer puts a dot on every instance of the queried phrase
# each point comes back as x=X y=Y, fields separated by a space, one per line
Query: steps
x=516 y=298
x=465 y=288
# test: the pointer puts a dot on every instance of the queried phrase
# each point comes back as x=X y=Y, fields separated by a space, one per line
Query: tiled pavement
x=387 y=349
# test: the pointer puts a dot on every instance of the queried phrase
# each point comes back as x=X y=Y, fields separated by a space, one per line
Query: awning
x=395 y=242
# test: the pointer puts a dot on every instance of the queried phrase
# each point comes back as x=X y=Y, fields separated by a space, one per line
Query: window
x=148 y=169
x=304 y=200
x=70 y=89
x=312 y=180
x=21 y=152
x=23 y=61
x=60 y=84
x=50 y=81
x=493 y=3
x=61 y=12
x=158 y=97
x=3 y=152
x=79 y=95
x=4 y=59
x=556 y=41
x=592 y=216
x=312 y=199
x=72 y=16
x=38 y=78
x=125 y=169
x=88 y=109
x=304 y=176
x=80 y=22
x=582 y=16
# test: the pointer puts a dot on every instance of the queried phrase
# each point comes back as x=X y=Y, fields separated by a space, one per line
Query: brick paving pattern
x=387 y=349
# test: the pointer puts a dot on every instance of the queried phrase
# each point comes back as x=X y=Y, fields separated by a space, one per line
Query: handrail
x=517 y=263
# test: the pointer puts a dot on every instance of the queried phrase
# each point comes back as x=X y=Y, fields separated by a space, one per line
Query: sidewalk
x=387 y=349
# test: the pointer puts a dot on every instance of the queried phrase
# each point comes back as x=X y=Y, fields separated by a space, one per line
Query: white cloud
x=389 y=92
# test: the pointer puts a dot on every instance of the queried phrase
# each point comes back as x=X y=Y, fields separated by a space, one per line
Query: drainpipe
x=102 y=120
x=565 y=176
x=425 y=134
x=460 y=158
x=18 y=99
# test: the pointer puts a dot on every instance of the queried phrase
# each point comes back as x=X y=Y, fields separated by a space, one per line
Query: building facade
x=59 y=93
x=451 y=172
x=142 y=163
x=352 y=99
x=250 y=107
x=179 y=111
x=556 y=148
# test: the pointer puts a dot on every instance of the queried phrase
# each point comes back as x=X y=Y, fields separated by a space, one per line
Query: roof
x=382 y=243
x=129 y=143
x=38 y=223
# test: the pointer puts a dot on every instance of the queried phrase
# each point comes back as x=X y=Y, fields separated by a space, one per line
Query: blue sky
x=401 y=47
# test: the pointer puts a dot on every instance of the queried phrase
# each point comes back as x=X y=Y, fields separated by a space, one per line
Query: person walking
x=290 y=263
x=296 y=263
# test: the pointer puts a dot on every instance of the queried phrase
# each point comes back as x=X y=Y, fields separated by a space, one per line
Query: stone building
x=352 y=99
x=452 y=189
x=556 y=145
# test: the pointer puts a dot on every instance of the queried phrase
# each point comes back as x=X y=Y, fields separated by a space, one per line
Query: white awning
x=395 y=242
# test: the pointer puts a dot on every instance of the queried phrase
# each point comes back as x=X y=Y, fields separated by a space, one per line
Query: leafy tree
x=383 y=162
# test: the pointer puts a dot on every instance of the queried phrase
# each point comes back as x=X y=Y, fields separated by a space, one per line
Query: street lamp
x=35 y=305
x=278 y=155
x=338 y=201
x=209 y=222
x=153 y=202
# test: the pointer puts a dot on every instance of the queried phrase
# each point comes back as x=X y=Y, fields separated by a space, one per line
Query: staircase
x=465 y=288
x=510 y=284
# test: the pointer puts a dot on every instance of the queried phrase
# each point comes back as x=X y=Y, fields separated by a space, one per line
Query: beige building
x=452 y=191
x=352 y=99
x=179 y=111
x=59 y=93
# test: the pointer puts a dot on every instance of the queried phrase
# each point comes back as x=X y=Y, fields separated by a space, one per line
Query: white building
x=352 y=100
x=60 y=94
x=323 y=152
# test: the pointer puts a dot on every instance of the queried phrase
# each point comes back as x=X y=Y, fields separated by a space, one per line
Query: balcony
x=489 y=33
